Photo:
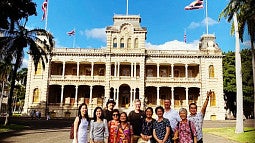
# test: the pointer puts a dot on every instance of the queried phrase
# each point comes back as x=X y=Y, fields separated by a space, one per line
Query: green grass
x=10 y=127
x=247 y=137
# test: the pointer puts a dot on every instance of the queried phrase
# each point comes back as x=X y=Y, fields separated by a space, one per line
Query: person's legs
x=200 y=141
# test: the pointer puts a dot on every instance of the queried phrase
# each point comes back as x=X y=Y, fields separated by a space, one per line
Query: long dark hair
x=95 y=116
x=86 y=114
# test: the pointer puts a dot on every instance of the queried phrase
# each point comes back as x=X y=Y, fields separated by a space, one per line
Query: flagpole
x=74 y=39
x=46 y=19
x=206 y=17
x=127 y=8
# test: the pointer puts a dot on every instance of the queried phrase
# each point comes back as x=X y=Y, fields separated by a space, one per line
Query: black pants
x=200 y=141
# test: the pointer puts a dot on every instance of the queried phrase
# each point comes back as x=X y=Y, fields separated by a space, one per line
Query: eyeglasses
x=115 y=114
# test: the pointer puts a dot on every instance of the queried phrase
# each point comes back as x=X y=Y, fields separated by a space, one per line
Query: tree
x=17 y=37
x=246 y=17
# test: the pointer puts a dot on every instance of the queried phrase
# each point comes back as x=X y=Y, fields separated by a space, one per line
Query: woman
x=81 y=123
x=185 y=129
x=113 y=125
x=98 y=127
x=147 y=127
x=124 y=133
x=161 y=127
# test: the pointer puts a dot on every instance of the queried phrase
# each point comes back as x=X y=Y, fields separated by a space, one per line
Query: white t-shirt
x=173 y=117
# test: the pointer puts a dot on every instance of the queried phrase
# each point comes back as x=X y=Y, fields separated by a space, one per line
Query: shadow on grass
x=249 y=130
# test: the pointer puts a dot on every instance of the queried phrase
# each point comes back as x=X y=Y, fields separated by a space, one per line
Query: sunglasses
x=115 y=114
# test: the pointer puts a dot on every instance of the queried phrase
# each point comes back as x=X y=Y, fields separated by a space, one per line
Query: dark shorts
x=200 y=141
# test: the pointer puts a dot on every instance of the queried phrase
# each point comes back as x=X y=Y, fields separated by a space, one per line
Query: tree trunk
x=1 y=97
x=253 y=71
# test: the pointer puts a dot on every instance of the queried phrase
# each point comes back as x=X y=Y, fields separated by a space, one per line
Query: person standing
x=161 y=127
x=109 y=109
x=171 y=114
x=185 y=130
x=98 y=127
x=113 y=125
x=81 y=123
x=136 y=117
x=147 y=127
x=124 y=132
x=198 y=117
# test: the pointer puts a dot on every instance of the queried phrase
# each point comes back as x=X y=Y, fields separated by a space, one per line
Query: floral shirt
x=198 y=120
x=124 y=133
x=147 y=128
x=112 y=126
x=160 y=129
x=186 y=129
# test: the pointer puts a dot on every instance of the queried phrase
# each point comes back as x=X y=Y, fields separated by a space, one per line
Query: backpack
x=72 y=129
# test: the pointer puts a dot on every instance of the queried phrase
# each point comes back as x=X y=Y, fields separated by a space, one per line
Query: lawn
x=247 y=137
x=10 y=128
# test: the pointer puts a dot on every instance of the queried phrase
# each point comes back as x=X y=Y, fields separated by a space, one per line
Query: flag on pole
x=71 y=33
x=185 y=37
x=196 y=4
x=44 y=9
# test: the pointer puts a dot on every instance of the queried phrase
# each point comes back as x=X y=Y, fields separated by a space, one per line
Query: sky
x=166 y=22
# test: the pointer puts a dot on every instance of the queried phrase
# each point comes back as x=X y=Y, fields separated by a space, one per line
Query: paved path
x=57 y=131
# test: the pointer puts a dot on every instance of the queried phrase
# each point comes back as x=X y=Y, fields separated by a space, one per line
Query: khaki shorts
x=135 y=138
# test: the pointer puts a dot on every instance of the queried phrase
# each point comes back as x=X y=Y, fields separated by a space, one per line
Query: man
x=171 y=114
x=136 y=117
x=109 y=109
x=198 y=118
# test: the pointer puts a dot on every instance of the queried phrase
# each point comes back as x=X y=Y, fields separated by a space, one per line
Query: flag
x=44 y=9
x=197 y=4
x=185 y=38
x=71 y=33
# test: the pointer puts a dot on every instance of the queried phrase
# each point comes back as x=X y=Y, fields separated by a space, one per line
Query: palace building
x=127 y=70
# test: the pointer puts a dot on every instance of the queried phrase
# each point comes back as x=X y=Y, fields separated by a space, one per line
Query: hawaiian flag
x=197 y=4
x=44 y=9
x=71 y=33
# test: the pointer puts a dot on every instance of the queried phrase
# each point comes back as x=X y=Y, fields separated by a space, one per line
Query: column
x=92 y=69
x=172 y=98
x=117 y=101
x=114 y=94
x=78 y=69
x=115 y=69
x=186 y=70
x=187 y=96
x=135 y=71
x=90 y=94
x=157 y=70
x=132 y=69
x=134 y=96
x=131 y=96
x=76 y=95
x=63 y=71
x=118 y=69
x=172 y=70
x=158 y=101
x=62 y=95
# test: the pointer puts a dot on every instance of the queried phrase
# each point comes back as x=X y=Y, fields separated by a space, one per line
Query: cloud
x=174 y=45
x=24 y=63
x=194 y=25
x=96 y=33
x=246 y=44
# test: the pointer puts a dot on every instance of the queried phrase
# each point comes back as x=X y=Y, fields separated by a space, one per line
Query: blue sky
x=165 y=20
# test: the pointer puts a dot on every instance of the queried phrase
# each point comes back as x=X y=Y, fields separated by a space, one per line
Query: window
x=39 y=69
x=136 y=42
x=129 y=43
x=213 y=99
x=211 y=71
x=115 y=43
x=122 y=43
x=36 y=95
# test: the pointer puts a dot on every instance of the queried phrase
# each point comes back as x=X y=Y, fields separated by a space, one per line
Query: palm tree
x=16 y=37
x=246 y=17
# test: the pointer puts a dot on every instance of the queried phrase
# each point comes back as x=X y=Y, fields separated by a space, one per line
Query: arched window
x=39 y=68
x=136 y=42
x=129 y=43
x=114 y=42
x=36 y=95
x=213 y=99
x=211 y=71
x=122 y=43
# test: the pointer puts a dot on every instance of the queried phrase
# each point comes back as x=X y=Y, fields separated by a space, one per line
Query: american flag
x=71 y=33
x=44 y=9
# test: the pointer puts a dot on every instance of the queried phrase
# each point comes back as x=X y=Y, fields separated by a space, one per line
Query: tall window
x=36 y=95
x=129 y=43
x=211 y=71
x=115 y=43
x=122 y=43
x=39 y=68
x=136 y=42
x=213 y=99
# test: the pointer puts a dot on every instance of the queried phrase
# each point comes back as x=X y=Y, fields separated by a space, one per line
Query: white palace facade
x=127 y=70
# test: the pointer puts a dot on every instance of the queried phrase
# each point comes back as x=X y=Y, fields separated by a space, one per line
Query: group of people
x=109 y=125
